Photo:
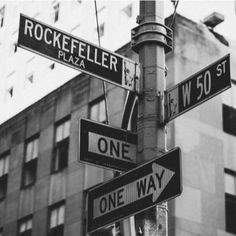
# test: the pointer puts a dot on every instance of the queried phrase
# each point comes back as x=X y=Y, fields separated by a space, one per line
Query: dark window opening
x=14 y=47
x=60 y=155
x=102 y=29
x=98 y=110
x=10 y=92
x=4 y=167
x=229 y=120
x=3 y=186
x=30 y=78
x=128 y=10
x=230 y=200
x=30 y=165
x=25 y=226
x=60 y=160
x=57 y=231
x=56 y=12
x=2 y=13
x=230 y=211
x=52 y=66
x=29 y=173
x=56 y=219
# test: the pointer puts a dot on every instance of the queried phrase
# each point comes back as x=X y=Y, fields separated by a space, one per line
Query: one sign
x=106 y=146
x=141 y=188
x=199 y=88
x=77 y=53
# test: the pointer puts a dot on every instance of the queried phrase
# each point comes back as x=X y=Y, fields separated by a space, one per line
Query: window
x=128 y=10
x=52 y=66
x=229 y=118
x=56 y=12
x=13 y=43
x=101 y=29
x=230 y=201
x=56 y=219
x=25 y=226
x=2 y=13
x=30 y=165
x=13 y=48
x=10 y=82
x=4 y=167
x=30 y=78
x=98 y=110
x=9 y=93
x=29 y=74
x=60 y=159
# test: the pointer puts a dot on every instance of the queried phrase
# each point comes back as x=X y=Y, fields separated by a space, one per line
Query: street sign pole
x=151 y=39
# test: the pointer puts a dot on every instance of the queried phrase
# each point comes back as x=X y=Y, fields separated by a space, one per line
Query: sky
x=197 y=10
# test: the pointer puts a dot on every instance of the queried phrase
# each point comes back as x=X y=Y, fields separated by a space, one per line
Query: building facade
x=205 y=135
x=43 y=185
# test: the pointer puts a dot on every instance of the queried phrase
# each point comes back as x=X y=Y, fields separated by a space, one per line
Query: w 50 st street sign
x=199 y=88
x=141 y=188
x=77 y=53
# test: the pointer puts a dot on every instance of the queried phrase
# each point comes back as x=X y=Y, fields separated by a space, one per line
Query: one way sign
x=143 y=187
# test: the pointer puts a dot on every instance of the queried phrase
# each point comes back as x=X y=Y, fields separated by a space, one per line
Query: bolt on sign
x=141 y=188
x=107 y=146
x=199 y=88
x=77 y=53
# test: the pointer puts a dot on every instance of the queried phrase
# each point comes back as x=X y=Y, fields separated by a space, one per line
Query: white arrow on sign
x=151 y=184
